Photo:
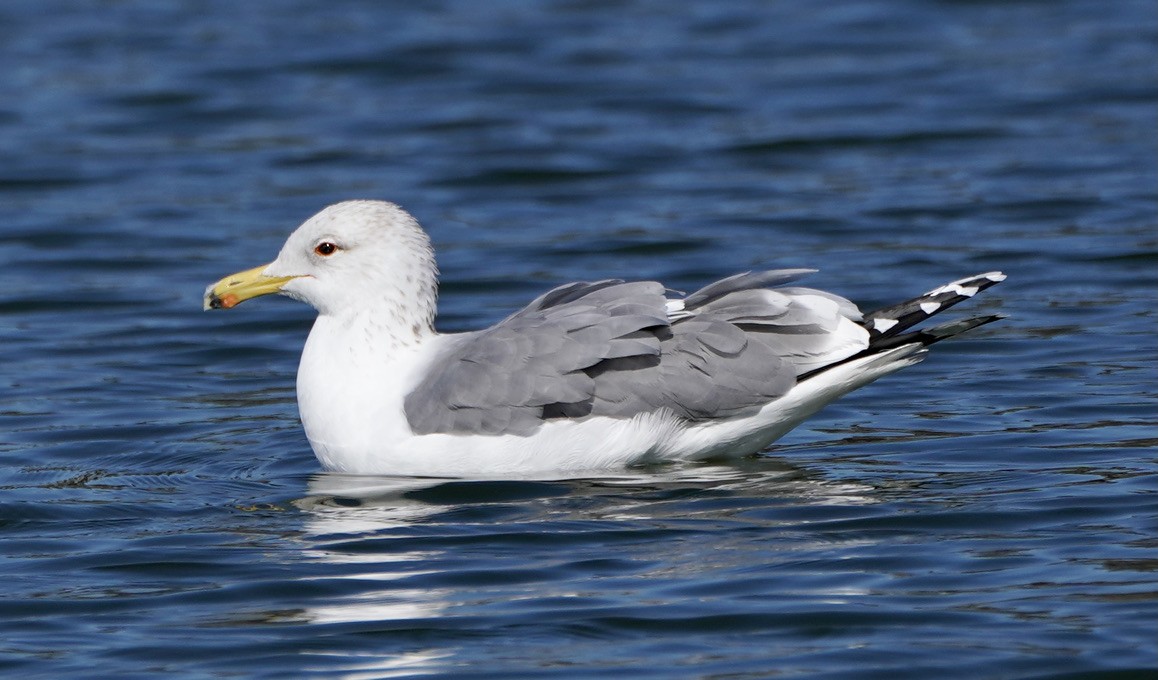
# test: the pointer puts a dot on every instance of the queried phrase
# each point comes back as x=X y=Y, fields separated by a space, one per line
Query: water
x=990 y=513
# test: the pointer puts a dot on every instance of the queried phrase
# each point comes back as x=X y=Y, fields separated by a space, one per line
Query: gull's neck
x=377 y=330
x=395 y=306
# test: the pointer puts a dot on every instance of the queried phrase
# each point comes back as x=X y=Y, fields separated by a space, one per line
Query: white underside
x=353 y=429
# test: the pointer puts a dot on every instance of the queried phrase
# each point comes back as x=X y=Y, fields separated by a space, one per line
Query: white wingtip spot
x=930 y=307
x=961 y=286
x=882 y=324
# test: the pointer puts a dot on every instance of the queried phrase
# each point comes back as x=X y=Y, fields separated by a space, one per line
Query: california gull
x=587 y=376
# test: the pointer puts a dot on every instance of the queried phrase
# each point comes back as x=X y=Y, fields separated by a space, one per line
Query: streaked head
x=349 y=258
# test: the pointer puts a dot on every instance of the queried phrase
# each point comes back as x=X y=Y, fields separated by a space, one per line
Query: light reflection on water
x=351 y=519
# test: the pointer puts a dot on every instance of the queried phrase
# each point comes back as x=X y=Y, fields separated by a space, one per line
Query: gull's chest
x=351 y=385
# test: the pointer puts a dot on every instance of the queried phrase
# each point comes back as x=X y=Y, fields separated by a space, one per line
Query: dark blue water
x=991 y=513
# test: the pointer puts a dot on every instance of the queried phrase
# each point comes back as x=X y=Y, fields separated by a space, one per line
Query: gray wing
x=611 y=348
x=505 y=378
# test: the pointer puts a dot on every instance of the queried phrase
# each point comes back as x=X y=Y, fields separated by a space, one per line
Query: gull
x=588 y=376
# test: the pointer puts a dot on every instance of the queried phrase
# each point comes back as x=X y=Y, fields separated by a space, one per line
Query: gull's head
x=353 y=257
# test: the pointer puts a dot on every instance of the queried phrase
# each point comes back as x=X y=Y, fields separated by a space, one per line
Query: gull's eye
x=326 y=248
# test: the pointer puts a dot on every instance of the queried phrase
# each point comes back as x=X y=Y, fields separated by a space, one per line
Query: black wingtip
x=894 y=320
x=933 y=334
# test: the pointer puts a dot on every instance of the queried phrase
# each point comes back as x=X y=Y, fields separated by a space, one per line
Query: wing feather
x=610 y=348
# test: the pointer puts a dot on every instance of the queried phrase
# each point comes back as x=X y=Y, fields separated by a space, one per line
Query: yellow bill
x=237 y=288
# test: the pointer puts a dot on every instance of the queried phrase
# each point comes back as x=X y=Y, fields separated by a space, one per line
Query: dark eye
x=325 y=248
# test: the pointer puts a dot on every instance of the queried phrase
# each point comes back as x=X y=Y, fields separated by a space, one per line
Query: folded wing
x=617 y=349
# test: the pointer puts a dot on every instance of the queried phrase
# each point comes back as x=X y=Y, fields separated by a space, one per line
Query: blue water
x=990 y=513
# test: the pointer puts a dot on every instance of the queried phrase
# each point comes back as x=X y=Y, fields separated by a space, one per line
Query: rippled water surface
x=991 y=513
